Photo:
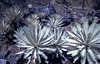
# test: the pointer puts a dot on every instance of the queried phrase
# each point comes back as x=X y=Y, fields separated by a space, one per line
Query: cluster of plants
x=37 y=40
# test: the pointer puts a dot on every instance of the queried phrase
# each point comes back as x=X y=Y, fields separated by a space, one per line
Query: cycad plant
x=85 y=42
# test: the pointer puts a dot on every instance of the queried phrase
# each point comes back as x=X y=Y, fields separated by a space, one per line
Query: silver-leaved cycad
x=35 y=41
x=84 y=42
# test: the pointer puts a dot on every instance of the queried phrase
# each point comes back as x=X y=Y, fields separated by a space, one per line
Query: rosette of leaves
x=35 y=41
x=13 y=14
x=55 y=21
x=85 y=42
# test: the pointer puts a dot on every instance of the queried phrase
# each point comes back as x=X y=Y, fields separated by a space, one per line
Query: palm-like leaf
x=4 y=27
x=13 y=14
x=55 y=21
x=34 y=40
x=85 y=42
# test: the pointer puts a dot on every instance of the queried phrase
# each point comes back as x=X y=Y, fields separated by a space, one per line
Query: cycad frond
x=85 y=42
x=34 y=40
